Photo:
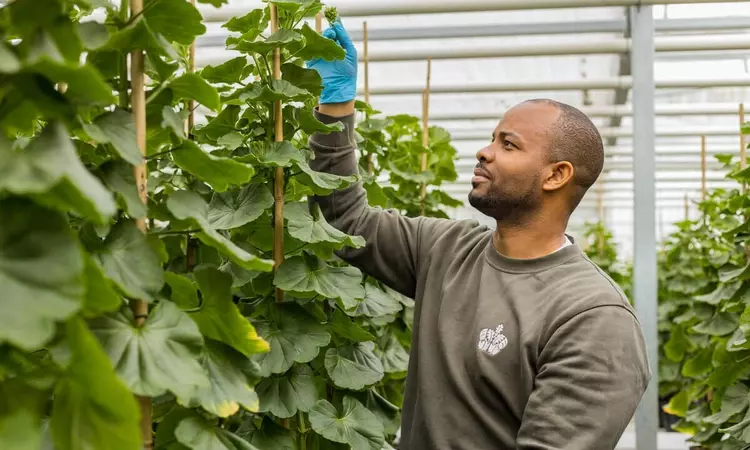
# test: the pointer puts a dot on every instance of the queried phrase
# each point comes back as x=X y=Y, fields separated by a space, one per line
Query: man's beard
x=505 y=207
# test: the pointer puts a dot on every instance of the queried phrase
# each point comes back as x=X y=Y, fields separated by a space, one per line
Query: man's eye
x=507 y=143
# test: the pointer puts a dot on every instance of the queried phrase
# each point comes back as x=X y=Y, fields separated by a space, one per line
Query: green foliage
x=600 y=247
x=703 y=320
x=331 y=14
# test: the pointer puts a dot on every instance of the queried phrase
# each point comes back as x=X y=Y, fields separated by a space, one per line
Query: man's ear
x=557 y=175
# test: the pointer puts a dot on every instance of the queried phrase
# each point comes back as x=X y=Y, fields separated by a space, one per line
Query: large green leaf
x=699 y=364
x=734 y=401
x=323 y=183
x=277 y=90
x=41 y=273
x=355 y=425
x=317 y=46
x=354 y=366
x=303 y=78
x=272 y=436
x=720 y=324
x=129 y=260
x=395 y=358
x=304 y=226
x=119 y=178
x=117 y=128
x=310 y=124
x=294 y=337
x=306 y=276
x=196 y=433
x=376 y=303
x=217 y=171
x=219 y=317
x=229 y=375
x=345 y=327
x=160 y=356
x=286 y=394
x=101 y=296
x=275 y=154
x=187 y=205
x=92 y=407
x=230 y=72
x=229 y=210
x=278 y=39
x=254 y=21
x=50 y=165
x=176 y=20
x=741 y=430
x=193 y=86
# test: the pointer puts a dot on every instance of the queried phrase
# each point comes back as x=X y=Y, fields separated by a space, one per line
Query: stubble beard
x=505 y=207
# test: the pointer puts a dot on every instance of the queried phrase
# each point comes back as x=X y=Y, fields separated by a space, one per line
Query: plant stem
x=124 y=98
x=302 y=431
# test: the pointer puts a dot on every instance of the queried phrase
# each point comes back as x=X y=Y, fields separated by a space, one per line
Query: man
x=520 y=342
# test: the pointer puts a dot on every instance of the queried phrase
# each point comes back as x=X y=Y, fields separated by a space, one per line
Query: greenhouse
x=374 y=225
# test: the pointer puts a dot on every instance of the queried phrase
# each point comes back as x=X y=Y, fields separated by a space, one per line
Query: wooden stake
x=743 y=145
x=278 y=185
x=425 y=131
x=138 y=105
x=319 y=23
x=703 y=168
x=366 y=58
x=687 y=208
x=192 y=245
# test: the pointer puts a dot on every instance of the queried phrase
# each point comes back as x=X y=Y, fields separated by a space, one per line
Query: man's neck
x=527 y=243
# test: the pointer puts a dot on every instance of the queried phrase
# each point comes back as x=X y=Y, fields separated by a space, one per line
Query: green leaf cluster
x=704 y=319
x=599 y=245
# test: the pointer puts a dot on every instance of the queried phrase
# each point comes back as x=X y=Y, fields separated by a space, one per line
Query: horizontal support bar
x=687 y=109
x=624 y=82
x=723 y=24
x=466 y=164
x=597 y=47
x=485 y=135
x=359 y=8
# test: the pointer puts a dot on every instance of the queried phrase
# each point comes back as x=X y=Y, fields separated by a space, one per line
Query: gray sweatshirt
x=507 y=354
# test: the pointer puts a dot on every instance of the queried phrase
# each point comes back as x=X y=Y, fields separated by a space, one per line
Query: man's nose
x=486 y=154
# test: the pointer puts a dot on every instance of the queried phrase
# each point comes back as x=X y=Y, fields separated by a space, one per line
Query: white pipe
x=485 y=135
x=687 y=109
x=623 y=82
x=360 y=8
x=552 y=48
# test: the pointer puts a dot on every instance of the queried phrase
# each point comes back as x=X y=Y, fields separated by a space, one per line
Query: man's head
x=543 y=157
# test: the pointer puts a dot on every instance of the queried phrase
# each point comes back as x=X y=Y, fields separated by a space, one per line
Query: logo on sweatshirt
x=492 y=341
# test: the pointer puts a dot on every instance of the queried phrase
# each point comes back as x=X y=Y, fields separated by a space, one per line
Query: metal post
x=644 y=193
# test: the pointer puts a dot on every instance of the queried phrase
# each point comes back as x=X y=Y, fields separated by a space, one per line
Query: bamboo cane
x=319 y=22
x=687 y=208
x=189 y=123
x=703 y=168
x=743 y=145
x=278 y=185
x=138 y=105
x=425 y=132
x=366 y=61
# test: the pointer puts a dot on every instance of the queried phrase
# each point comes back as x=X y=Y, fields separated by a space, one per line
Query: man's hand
x=339 y=76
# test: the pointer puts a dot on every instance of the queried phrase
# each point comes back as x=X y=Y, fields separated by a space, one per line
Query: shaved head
x=575 y=138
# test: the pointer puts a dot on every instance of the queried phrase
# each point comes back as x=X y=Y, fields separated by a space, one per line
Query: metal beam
x=358 y=8
x=687 y=109
x=644 y=191
x=720 y=24
x=485 y=135
x=624 y=82
x=596 y=47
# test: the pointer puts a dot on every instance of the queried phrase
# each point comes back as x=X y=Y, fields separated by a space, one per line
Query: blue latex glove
x=339 y=76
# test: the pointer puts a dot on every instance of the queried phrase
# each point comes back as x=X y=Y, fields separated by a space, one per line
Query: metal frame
x=484 y=135
x=719 y=24
x=358 y=8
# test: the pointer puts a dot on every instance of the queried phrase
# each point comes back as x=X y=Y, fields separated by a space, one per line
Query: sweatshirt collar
x=514 y=265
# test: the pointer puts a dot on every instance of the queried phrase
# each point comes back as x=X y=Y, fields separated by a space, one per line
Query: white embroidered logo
x=492 y=341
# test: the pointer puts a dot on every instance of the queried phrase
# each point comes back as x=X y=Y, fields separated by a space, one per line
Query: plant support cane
x=425 y=134
x=366 y=62
x=743 y=145
x=192 y=244
x=138 y=105
x=278 y=182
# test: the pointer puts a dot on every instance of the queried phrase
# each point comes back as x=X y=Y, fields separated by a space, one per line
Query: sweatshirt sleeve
x=591 y=376
x=394 y=242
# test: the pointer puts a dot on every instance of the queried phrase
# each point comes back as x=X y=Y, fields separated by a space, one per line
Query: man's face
x=507 y=179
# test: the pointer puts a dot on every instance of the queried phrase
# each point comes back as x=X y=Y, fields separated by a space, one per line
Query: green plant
x=600 y=247
x=704 y=320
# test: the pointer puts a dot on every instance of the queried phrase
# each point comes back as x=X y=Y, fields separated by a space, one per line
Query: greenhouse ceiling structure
x=664 y=81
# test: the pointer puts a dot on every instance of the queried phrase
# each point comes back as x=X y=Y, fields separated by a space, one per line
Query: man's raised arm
x=393 y=241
